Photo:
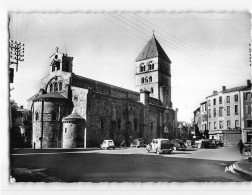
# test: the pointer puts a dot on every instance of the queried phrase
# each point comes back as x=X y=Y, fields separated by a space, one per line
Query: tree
x=14 y=111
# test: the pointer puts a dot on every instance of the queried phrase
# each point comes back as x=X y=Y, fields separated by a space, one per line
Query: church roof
x=151 y=50
x=73 y=116
x=53 y=95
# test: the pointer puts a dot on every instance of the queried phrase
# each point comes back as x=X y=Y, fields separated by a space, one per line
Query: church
x=72 y=111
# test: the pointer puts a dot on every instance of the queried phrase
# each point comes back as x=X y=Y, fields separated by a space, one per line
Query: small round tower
x=73 y=131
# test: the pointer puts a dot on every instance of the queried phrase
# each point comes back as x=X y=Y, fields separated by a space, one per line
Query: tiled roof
x=151 y=50
x=53 y=95
x=73 y=116
x=235 y=89
x=240 y=88
x=34 y=96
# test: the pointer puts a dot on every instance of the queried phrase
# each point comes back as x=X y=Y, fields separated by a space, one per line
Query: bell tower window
x=142 y=67
x=142 y=80
x=151 y=65
x=146 y=80
x=150 y=79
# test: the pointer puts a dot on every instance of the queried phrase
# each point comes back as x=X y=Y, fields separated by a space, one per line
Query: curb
x=241 y=171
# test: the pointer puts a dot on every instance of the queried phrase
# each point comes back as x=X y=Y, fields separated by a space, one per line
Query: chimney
x=248 y=82
x=215 y=92
x=223 y=88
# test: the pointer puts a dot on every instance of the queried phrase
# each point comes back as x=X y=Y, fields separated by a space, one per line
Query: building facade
x=229 y=114
x=71 y=111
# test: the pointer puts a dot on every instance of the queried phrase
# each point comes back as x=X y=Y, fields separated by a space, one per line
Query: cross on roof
x=57 y=49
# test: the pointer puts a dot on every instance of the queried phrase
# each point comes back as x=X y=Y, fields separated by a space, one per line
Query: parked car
x=208 y=143
x=219 y=143
x=139 y=142
x=106 y=144
x=160 y=145
x=178 y=144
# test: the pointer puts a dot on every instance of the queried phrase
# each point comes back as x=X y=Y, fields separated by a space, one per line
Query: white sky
x=207 y=50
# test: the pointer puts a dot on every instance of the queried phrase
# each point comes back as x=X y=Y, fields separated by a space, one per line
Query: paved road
x=125 y=165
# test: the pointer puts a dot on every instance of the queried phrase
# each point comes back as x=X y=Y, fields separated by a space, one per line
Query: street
x=125 y=165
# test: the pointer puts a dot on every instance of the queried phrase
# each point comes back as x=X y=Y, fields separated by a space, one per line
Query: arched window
x=53 y=116
x=151 y=89
x=151 y=65
x=60 y=86
x=55 y=86
x=146 y=80
x=36 y=116
x=150 y=79
x=142 y=67
x=51 y=87
x=142 y=80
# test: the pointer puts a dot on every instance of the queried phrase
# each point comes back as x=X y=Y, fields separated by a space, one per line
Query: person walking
x=241 y=146
x=122 y=144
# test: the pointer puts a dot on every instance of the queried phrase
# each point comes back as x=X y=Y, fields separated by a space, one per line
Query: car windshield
x=165 y=142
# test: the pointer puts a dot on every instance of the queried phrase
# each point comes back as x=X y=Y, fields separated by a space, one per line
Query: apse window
x=36 y=116
x=53 y=116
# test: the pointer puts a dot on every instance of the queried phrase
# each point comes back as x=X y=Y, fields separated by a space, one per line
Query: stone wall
x=50 y=129
x=73 y=134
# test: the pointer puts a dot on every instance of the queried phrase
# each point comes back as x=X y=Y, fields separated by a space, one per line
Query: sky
x=207 y=50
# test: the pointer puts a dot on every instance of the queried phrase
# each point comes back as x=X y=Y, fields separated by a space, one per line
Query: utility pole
x=16 y=56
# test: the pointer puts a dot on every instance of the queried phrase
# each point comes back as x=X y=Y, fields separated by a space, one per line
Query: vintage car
x=160 y=145
x=207 y=143
x=178 y=144
x=139 y=142
x=219 y=143
x=106 y=144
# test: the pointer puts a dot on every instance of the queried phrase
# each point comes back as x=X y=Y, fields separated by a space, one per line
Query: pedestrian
x=122 y=144
x=241 y=146
x=34 y=144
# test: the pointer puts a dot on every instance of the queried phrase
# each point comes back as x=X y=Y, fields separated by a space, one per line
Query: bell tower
x=153 y=72
x=60 y=62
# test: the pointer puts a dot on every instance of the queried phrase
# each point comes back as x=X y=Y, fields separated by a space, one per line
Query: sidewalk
x=244 y=166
